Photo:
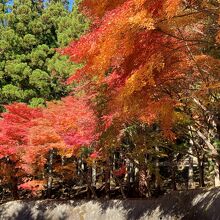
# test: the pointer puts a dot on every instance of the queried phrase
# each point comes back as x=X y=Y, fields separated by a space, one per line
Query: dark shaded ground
x=189 y=205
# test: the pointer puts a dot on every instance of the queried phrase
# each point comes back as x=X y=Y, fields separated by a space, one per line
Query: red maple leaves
x=14 y=127
x=28 y=134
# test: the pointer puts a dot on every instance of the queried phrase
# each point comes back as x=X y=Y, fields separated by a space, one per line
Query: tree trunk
x=157 y=172
x=191 y=184
x=87 y=178
x=94 y=174
x=107 y=179
x=173 y=170
x=144 y=182
x=201 y=171
x=89 y=181
x=214 y=154
x=216 y=169
x=14 y=187
x=50 y=170
x=13 y=179
x=128 y=175
x=173 y=177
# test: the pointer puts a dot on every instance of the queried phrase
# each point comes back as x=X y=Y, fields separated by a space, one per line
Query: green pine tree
x=31 y=70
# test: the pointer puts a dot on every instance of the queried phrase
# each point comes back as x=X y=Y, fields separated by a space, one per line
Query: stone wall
x=189 y=205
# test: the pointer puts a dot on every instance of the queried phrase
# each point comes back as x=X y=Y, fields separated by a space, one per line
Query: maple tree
x=28 y=134
x=127 y=50
x=15 y=124
x=141 y=57
x=148 y=85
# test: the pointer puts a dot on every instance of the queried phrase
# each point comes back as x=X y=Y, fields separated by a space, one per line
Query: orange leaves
x=70 y=122
x=27 y=135
x=142 y=19
x=112 y=40
x=171 y=7
x=43 y=135
x=166 y=117
x=33 y=185
x=143 y=76
x=218 y=37
x=163 y=112
x=98 y=8
x=125 y=45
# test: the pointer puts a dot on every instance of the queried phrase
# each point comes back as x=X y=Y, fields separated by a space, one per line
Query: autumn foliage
x=28 y=134
x=140 y=49
x=143 y=62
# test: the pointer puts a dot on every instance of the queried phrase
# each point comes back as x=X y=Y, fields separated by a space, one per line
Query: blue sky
x=71 y=4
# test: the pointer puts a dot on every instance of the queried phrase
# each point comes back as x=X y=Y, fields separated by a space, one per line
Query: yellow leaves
x=66 y=152
x=139 y=79
x=171 y=7
x=98 y=8
x=142 y=19
x=139 y=3
x=144 y=76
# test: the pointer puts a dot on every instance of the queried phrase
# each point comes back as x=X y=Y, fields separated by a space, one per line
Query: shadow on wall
x=189 y=205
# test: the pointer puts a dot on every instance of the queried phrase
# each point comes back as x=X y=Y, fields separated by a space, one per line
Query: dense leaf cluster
x=31 y=71
x=144 y=106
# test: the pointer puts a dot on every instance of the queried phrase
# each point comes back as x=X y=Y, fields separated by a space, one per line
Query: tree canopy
x=31 y=71
x=145 y=92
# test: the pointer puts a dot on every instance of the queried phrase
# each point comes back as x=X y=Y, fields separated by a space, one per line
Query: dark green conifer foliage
x=31 y=70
